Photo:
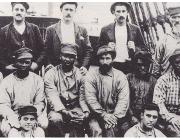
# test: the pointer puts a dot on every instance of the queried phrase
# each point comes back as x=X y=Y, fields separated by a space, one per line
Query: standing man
x=17 y=34
x=65 y=94
x=128 y=37
x=67 y=31
x=19 y=89
x=167 y=44
x=167 y=97
x=141 y=84
x=107 y=95
x=145 y=128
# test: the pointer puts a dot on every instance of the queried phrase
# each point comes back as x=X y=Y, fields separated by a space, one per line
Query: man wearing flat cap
x=67 y=31
x=28 y=124
x=167 y=44
x=107 y=95
x=141 y=85
x=67 y=109
x=19 y=33
x=128 y=37
x=21 y=88
x=166 y=96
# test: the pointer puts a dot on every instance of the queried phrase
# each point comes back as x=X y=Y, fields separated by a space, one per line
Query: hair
x=113 y=54
x=150 y=106
x=64 y=3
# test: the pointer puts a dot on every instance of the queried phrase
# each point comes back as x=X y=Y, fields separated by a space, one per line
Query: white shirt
x=67 y=31
x=121 y=43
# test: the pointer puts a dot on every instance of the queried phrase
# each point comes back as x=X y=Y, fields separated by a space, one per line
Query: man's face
x=68 y=12
x=67 y=59
x=27 y=122
x=176 y=64
x=105 y=61
x=19 y=12
x=121 y=14
x=23 y=64
x=175 y=20
x=149 y=118
x=142 y=67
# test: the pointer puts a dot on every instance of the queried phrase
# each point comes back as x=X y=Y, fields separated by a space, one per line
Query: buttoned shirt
x=107 y=93
x=61 y=87
x=137 y=131
x=166 y=95
x=141 y=92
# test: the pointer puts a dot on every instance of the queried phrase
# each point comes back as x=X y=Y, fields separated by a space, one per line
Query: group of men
x=72 y=98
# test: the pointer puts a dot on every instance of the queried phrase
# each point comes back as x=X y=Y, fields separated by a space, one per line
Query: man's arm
x=123 y=97
x=91 y=97
x=51 y=91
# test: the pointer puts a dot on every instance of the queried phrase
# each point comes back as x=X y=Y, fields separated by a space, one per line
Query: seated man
x=28 y=124
x=167 y=97
x=107 y=95
x=19 y=89
x=141 y=84
x=145 y=128
x=65 y=95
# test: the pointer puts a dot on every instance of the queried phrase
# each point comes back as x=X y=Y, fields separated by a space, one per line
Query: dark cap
x=107 y=48
x=174 y=10
x=127 y=4
x=27 y=110
x=23 y=53
x=144 y=55
x=63 y=3
x=175 y=53
x=68 y=48
x=25 y=4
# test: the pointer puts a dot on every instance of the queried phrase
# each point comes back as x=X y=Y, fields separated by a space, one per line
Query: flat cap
x=27 y=110
x=63 y=3
x=174 y=10
x=23 y=53
x=127 y=4
x=69 y=48
x=25 y=4
x=107 y=48
x=144 y=55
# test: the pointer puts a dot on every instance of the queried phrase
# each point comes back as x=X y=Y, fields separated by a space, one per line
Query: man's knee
x=43 y=121
x=95 y=128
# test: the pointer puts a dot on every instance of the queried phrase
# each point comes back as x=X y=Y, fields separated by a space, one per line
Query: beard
x=67 y=68
x=105 y=68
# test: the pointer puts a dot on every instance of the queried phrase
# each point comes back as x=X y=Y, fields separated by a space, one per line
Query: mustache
x=121 y=17
x=68 y=15
x=18 y=15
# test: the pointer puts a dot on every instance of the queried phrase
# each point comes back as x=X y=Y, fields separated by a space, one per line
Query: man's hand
x=131 y=45
x=110 y=120
x=83 y=71
x=34 y=66
x=10 y=67
x=175 y=122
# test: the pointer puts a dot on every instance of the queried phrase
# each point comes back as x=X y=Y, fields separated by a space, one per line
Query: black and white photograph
x=89 y=69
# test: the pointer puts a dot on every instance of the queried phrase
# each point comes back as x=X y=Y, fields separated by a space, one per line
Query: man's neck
x=19 y=23
x=144 y=128
x=67 y=22
x=121 y=24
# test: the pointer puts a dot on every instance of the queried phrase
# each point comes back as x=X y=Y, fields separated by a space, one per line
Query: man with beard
x=166 y=96
x=107 y=95
x=167 y=44
x=21 y=88
x=145 y=128
x=17 y=34
x=65 y=94
x=128 y=37
x=141 y=84
x=67 y=31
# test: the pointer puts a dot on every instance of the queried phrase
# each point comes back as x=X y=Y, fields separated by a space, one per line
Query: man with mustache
x=67 y=31
x=167 y=44
x=21 y=88
x=141 y=84
x=166 y=96
x=146 y=127
x=107 y=95
x=128 y=37
x=64 y=89
x=17 y=34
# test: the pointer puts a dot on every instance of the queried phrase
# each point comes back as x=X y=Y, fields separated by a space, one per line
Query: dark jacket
x=7 y=47
x=133 y=34
x=53 y=44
